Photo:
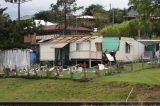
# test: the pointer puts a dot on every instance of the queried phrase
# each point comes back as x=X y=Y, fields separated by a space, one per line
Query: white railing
x=85 y=55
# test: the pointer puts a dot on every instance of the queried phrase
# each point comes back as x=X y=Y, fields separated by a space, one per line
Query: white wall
x=136 y=50
x=47 y=53
x=19 y=58
x=84 y=52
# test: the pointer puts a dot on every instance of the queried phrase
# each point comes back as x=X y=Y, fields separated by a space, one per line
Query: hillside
x=145 y=84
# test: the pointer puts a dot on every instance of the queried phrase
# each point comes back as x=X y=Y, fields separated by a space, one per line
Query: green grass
x=103 y=88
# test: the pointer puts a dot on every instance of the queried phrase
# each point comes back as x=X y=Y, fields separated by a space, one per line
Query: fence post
x=28 y=71
x=16 y=70
x=152 y=62
x=131 y=66
x=71 y=73
x=142 y=63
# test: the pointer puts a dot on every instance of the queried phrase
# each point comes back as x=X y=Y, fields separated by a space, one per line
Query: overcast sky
x=31 y=7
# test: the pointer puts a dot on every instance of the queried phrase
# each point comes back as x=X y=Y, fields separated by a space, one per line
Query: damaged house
x=64 y=50
x=122 y=49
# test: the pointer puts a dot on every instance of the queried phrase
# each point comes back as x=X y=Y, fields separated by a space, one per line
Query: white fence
x=12 y=59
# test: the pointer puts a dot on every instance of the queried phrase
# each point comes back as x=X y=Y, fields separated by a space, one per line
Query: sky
x=34 y=6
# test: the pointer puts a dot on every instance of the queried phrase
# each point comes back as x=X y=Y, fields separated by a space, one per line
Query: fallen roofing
x=70 y=38
x=59 y=45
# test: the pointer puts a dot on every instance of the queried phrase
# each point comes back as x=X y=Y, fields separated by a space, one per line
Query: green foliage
x=12 y=32
x=127 y=28
x=146 y=8
x=130 y=29
x=62 y=8
x=102 y=16
x=99 y=13
x=44 y=15
x=117 y=14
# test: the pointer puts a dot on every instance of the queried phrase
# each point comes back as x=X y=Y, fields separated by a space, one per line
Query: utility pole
x=19 y=11
x=111 y=9
x=18 y=2
x=65 y=17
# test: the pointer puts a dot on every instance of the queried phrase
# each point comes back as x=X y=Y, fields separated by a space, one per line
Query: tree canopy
x=146 y=8
x=12 y=32
x=63 y=8
x=17 y=2
x=44 y=15
x=93 y=9
x=148 y=11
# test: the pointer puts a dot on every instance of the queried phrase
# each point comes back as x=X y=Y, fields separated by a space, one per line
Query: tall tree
x=93 y=9
x=99 y=13
x=4 y=18
x=19 y=5
x=63 y=8
x=146 y=10
x=44 y=15
x=116 y=15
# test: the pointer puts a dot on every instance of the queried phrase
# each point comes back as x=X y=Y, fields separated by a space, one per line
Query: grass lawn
x=146 y=86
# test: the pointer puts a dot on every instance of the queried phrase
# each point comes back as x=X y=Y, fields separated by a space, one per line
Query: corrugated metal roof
x=72 y=38
x=59 y=45
x=59 y=27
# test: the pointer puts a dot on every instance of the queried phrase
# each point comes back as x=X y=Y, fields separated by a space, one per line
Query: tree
x=44 y=15
x=4 y=18
x=98 y=12
x=117 y=15
x=90 y=10
x=127 y=28
x=63 y=8
x=147 y=9
x=19 y=3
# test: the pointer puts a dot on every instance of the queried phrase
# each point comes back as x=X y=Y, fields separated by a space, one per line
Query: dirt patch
x=143 y=92
x=117 y=84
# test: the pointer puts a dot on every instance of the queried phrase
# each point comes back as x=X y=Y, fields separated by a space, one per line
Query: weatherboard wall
x=86 y=50
x=136 y=50
x=47 y=52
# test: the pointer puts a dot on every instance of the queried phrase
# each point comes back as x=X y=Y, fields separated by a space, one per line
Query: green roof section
x=110 y=44
x=27 y=17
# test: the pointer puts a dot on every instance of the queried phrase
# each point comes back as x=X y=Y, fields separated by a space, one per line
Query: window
x=99 y=46
x=78 y=46
x=128 y=48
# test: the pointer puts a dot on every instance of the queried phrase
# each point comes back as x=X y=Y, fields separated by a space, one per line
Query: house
x=59 y=29
x=131 y=13
x=123 y=49
x=30 y=39
x=152 y=49
x=110 y=46
x=87 y=21
x=64 y=50
x=43 y=23
x=129 y=50
x=88 y=49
